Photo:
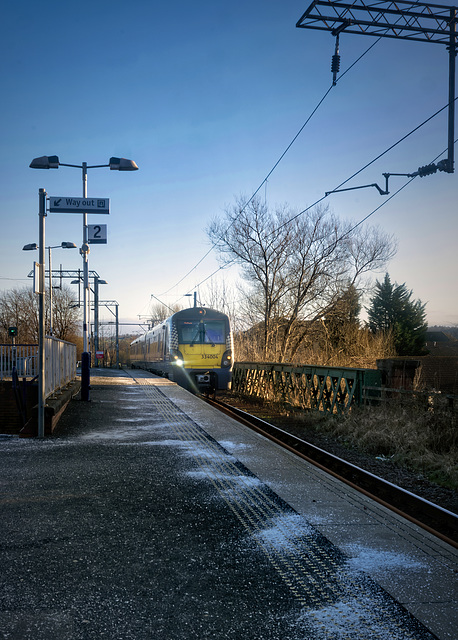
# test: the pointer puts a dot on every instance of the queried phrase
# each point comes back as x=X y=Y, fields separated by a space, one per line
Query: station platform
x=150 y=515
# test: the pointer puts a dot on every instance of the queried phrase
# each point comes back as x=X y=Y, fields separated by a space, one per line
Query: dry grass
x=421 y=439
x=410 y=433
x=357 y=347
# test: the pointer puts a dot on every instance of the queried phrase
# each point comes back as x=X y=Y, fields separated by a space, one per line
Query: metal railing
x=24 y=357
x=308 y=387
x=60 y=362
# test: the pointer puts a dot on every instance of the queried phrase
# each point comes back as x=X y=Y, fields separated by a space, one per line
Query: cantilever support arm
x=364 y=186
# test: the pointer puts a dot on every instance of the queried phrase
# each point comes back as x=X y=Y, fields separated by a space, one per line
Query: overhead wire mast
x=405 y=19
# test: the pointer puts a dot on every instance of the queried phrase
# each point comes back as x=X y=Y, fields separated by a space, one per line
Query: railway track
x=432 y=518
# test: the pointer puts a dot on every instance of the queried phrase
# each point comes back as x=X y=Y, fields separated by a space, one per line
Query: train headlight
x=227 y=360
x=177 y=358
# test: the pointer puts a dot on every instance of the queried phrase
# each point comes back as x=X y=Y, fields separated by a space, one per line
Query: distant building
x=438 y=343
x=436 y=371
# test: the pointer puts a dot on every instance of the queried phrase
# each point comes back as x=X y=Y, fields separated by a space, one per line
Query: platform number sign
x=97 y=233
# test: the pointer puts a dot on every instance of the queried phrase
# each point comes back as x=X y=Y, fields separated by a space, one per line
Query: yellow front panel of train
x=202 y=356
x=202 y=342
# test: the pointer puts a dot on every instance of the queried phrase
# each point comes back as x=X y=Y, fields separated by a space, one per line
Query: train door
x=165 y=342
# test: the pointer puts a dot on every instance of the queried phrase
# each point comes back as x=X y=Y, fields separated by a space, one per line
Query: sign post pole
x=84 y=206
x=41 y=315
x=86 y=356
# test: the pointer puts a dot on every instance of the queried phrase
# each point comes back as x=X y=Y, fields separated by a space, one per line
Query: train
x=193 y=348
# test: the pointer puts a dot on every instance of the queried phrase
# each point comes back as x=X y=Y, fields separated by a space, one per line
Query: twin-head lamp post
x=117 y=164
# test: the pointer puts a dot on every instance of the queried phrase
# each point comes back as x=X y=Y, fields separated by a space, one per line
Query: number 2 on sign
x=97 y=233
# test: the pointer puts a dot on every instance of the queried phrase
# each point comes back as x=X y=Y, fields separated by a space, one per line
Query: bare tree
x=216 y=295
x=19 y=308
x=297 y=267
x=245 y=237
x=66 y=316
x=225 y=297
x=160 y=312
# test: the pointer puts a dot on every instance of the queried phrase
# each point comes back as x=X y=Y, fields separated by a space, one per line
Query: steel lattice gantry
x=404 y=19
x=71 y=274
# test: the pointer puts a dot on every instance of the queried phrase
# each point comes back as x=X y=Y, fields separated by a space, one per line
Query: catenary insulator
x=427 y=170
x=335 y=65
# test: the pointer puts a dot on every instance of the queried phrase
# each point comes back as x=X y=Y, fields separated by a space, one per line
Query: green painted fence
x=308 y=387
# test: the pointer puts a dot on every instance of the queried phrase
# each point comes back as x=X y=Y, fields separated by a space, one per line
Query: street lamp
x=52 y=162
x=117 y=164
x=63 y=245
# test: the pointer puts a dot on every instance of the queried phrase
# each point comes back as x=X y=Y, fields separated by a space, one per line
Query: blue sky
x=205 y=97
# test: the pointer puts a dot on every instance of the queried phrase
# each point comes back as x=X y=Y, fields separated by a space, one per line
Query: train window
x=210 y=332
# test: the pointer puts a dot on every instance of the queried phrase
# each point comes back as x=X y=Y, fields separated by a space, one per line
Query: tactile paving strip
x=338 y=602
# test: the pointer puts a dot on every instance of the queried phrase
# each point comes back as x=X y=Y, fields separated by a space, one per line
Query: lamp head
x=45 y=162
x=68 y=245
x=122 y=164
x=30 y=247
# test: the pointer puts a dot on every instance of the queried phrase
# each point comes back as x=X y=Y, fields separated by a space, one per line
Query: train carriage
x=193 y=347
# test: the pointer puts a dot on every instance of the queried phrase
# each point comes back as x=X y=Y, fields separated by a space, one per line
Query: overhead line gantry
x=403 y=19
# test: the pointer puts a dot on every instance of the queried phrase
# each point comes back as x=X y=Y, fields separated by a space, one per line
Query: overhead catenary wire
x=360 y=222
x=406 y=184
x=264 y=182
x=163 y=303
x=314 y=204
x=288 y=147
x=260 y=186
x=14 y=279
x=368 y=164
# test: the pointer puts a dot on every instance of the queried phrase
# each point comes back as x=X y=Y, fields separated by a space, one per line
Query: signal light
x=12 y=332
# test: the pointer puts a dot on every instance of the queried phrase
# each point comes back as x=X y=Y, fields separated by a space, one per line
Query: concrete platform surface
x=148 y=514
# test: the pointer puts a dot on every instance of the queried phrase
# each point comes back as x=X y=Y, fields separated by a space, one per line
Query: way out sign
x=97 y=233
x=65 y=204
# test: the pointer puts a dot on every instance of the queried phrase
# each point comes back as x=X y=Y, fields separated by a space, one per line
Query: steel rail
x=438 y=521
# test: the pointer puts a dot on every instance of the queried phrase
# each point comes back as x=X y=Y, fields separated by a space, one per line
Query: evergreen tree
x=393 y=310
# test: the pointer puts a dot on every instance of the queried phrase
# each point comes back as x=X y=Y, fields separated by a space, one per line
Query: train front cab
x=201 y=350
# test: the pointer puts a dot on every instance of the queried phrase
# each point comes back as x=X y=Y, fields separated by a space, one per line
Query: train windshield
x=209 y=332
